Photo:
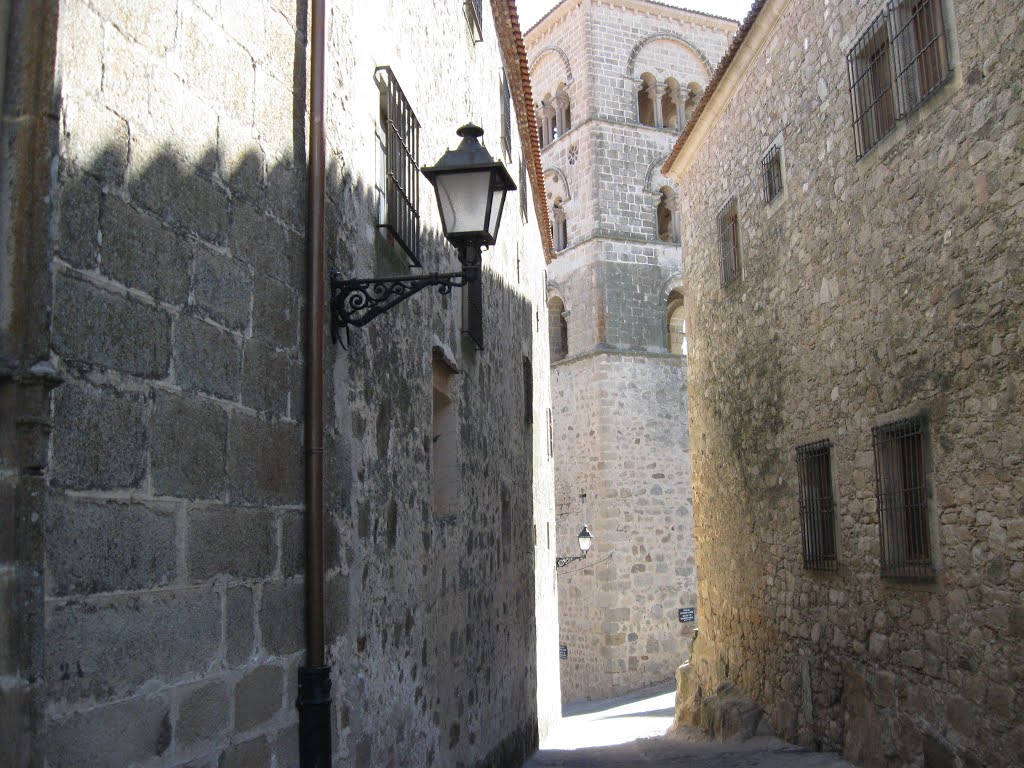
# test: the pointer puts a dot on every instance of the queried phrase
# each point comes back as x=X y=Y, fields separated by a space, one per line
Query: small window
x=558 y=330
x=398 y=195
x=475 y=16
x=919 y=39
x=559 y=226
x=645 y=99
x=527 y=391
x=729 y=237
x=676 y=330
x=771 y=173
x=506 y=115
x=901 y=495
x=444 y=440
x=524 y=207
x=870 y=69
x=817 y=511
x=668 y=232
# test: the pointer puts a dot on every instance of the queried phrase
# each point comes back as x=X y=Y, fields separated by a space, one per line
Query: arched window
x=546 y=120
x=671 y=105
x=691 y=97
x=676 y=324
x=558 y=329
x=559 y=226
x=645 y=99
x=563 y=111
x=668 y=232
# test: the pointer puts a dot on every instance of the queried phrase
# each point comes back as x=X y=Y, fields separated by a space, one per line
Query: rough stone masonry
x=870 y=290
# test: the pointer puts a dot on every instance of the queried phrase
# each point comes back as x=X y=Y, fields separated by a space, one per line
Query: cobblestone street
x=629 y=731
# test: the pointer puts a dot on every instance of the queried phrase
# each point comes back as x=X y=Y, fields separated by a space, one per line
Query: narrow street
x=629 y=732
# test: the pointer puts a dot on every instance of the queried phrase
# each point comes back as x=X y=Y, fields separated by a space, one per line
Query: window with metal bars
x=398 y=176
x=901 y=59
x=771 y=173
x=871 y=90
x=506 y=115
x=475 y=17
x=729 y=237
x=523 y=202
x=817 y=508
x=901 y=494
x=919 y=41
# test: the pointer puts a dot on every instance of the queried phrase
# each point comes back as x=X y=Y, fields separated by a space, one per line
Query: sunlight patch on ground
x=639 y=716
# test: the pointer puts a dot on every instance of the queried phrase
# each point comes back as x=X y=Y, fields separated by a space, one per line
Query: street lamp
x=585 y=539
x=471 y=187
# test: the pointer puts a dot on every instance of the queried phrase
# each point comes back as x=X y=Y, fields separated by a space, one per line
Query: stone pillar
x=660 y=89
x=547 y=123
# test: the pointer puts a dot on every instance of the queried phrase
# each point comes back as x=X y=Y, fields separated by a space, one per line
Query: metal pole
x=314 y=699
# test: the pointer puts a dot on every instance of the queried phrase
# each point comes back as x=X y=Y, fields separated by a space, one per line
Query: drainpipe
x=314 y=699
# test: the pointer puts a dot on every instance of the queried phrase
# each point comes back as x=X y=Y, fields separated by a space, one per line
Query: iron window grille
x=729 y=237
x=901 y=493
x=398 y=166
x=895 y=65
x=919 y=41
x=523 y=203
x=475 y=17
x=506 y=116
x=871 y=88
x=817 y=506
x=771 y=173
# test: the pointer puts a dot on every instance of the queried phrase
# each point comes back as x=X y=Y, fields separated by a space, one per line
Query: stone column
x=660 y=89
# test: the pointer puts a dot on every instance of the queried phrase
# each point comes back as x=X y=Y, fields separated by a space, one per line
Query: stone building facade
x=856 y=376
x=613 y=82
x=151 y=328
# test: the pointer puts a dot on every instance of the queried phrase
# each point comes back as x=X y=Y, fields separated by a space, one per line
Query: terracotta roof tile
x=506 y=21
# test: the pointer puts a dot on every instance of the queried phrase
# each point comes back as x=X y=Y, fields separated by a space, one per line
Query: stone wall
x=172 y=504
x=873 y=289
x=619 y=399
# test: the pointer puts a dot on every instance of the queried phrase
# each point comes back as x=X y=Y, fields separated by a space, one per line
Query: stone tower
x=613 y=84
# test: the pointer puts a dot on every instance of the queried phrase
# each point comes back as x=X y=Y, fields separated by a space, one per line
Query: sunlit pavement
x=630 y=731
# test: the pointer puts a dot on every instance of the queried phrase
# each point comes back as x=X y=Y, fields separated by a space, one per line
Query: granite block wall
x=169 y=499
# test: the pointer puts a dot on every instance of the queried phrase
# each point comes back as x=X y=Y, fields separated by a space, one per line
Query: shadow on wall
x=177 y=319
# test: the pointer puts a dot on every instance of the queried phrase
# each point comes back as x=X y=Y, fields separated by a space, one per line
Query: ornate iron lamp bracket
x=561 y=562
x=357 y=302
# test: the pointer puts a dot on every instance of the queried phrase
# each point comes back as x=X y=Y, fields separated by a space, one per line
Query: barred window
x=527 y=391
x=475 y=17
x=817 y=509
x=729 y=237
x=506 y=115
x=900 y=481
x=871 y=92
x=919 y=39
x=900 y=59
x=523 y=202
x=398 y=195
x=771 y=173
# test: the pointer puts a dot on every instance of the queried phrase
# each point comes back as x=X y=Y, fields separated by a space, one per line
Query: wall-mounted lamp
x=471 y=187
x=585 y=539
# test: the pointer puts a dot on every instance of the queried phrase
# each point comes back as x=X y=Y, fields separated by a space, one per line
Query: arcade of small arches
x=554 y=115
x=558 y=325
x=665 y=104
